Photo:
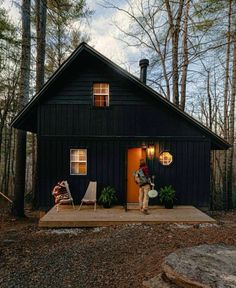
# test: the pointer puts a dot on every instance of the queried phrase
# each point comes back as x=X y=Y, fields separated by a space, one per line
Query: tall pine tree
x=19 y=192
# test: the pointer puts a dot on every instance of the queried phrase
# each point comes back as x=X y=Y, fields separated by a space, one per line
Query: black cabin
x=94 y=121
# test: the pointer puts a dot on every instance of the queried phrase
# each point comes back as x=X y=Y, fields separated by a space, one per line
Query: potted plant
x=167 y=196
x=107 y=197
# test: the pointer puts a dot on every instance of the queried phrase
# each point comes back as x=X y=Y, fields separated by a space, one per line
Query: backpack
x=140 y=178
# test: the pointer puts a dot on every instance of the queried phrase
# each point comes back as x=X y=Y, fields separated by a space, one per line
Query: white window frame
x=102 y=94
x=79 y=161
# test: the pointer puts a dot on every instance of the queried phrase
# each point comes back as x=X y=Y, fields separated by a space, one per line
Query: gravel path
x=118 y=256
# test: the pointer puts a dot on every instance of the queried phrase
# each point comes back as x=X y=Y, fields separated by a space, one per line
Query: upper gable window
x=101 y=94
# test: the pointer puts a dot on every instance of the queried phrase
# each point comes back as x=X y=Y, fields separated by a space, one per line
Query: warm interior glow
x=166 y=158
x=151 y=151
x=78 y=161
x=101 y=94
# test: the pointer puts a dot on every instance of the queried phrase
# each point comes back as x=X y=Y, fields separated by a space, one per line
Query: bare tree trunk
x=3 y=117
x=185 y=57
x=212 y=180
x=226 y=95
x=209 y=100
x=175 y=31
x=12 y=164
x=2 y=123
x=226 y=86
x=7 y=160
x=18 y=204
x=41 y=18
x=231 y=127
x=210 y=121
x=33 y=172
x=3 y=182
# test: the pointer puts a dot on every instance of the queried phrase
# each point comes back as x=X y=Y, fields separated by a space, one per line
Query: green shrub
x=167 y=194
x=108 y=196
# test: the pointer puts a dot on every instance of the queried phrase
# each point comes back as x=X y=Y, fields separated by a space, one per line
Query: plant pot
x=169 y=204
x=106 y=205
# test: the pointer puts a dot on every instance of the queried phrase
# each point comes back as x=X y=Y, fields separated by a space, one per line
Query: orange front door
x=134 y=155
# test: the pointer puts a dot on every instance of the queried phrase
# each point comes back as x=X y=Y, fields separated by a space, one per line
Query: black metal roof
x=22 y=116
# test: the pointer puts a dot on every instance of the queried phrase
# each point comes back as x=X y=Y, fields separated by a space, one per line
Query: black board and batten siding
x=189 y=173
x=69 y=109
x=67 y=120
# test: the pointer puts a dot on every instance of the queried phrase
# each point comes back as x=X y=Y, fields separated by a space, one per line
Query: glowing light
x=166 y=158
x=151 y=151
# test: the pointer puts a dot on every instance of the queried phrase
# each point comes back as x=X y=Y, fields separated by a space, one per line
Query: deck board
x=87 y=217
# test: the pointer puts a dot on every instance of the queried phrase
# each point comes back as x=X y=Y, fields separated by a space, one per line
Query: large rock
x=204 y=266
x=157 y=281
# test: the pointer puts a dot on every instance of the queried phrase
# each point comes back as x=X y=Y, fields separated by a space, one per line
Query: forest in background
x=191 y=45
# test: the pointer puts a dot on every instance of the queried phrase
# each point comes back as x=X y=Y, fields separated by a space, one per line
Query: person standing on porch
x=144 y=188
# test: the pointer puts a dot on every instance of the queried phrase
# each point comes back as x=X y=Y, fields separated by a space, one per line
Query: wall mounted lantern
x=151 y=151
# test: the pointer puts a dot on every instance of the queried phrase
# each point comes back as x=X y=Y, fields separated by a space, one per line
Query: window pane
x=101 y=100
x=101 y=94
x=78 y=168
x=82 y=155
x=78 y=161
x=74 y=168
x=82 y=168
x=96 y=90
x=74 y=156
x=100 y=88
x=166 y=158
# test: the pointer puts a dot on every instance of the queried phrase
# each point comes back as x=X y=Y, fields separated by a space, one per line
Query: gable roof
x=20 y=121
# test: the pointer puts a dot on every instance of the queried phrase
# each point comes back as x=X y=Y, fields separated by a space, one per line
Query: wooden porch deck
x=87 y=217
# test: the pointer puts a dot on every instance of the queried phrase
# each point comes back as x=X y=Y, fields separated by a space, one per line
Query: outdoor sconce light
x=151 y=151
